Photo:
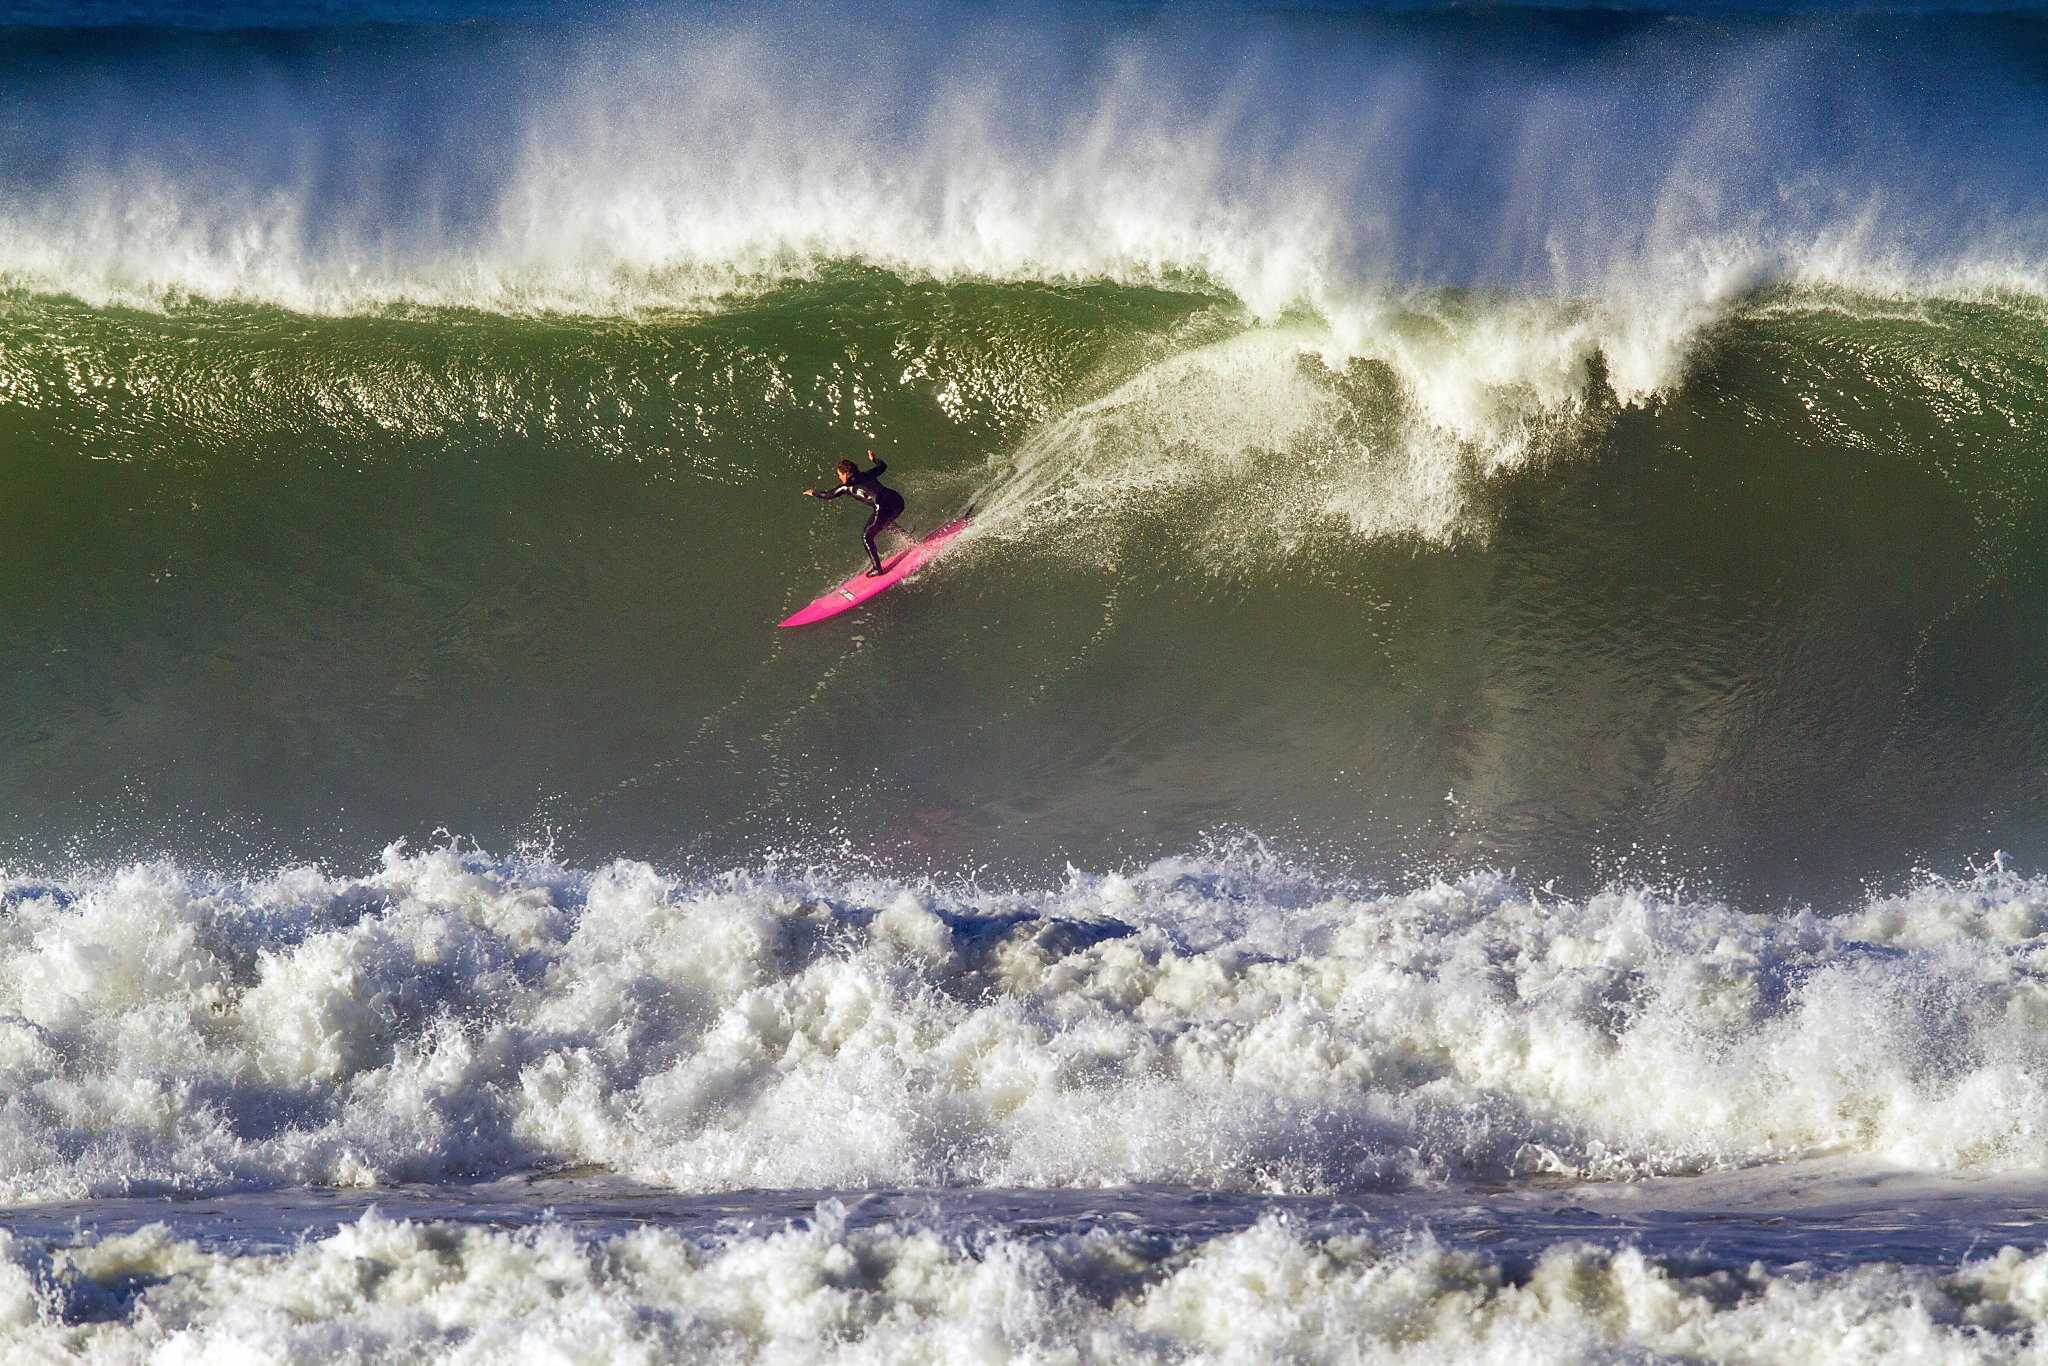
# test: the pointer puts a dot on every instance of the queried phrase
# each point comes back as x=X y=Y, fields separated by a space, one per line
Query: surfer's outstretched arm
x=828 y=495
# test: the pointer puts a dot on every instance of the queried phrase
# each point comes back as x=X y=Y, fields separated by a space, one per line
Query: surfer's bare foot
x=875 y=573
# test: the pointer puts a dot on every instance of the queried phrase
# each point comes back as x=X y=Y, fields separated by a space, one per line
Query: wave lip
x=1222 y=1024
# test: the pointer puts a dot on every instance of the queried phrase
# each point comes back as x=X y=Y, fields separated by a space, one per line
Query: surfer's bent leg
x=884 y=516
x=867 y=538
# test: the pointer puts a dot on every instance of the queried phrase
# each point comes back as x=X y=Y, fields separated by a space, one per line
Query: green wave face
x=274 y=584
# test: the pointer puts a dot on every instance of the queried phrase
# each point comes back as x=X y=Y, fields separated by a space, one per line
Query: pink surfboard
x=895 y=570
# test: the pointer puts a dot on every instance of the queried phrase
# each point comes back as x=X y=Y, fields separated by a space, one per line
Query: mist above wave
x=1328 y=166
x=1226 y=1023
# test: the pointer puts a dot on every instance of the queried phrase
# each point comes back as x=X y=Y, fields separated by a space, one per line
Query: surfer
x=866 y=485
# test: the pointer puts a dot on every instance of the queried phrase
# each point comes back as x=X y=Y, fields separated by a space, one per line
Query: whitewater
x=1474 y=793
x=1179 y=1041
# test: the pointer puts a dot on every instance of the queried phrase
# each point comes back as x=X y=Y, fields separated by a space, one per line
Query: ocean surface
x=1477 y=790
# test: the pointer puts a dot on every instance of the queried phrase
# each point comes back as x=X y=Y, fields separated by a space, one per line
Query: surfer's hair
x=847 y=467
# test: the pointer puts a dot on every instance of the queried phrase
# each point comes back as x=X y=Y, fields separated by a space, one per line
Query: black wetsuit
x=866 y=485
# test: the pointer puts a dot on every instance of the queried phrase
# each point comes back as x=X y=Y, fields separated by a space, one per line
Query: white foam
x=448 y=1014
x=383 y=1289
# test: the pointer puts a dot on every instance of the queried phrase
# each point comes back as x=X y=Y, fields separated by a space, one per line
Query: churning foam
x=383 y=1289
x=1223 y=1023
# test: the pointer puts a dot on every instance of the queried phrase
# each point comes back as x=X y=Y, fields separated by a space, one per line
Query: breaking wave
x=1225 y=1022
